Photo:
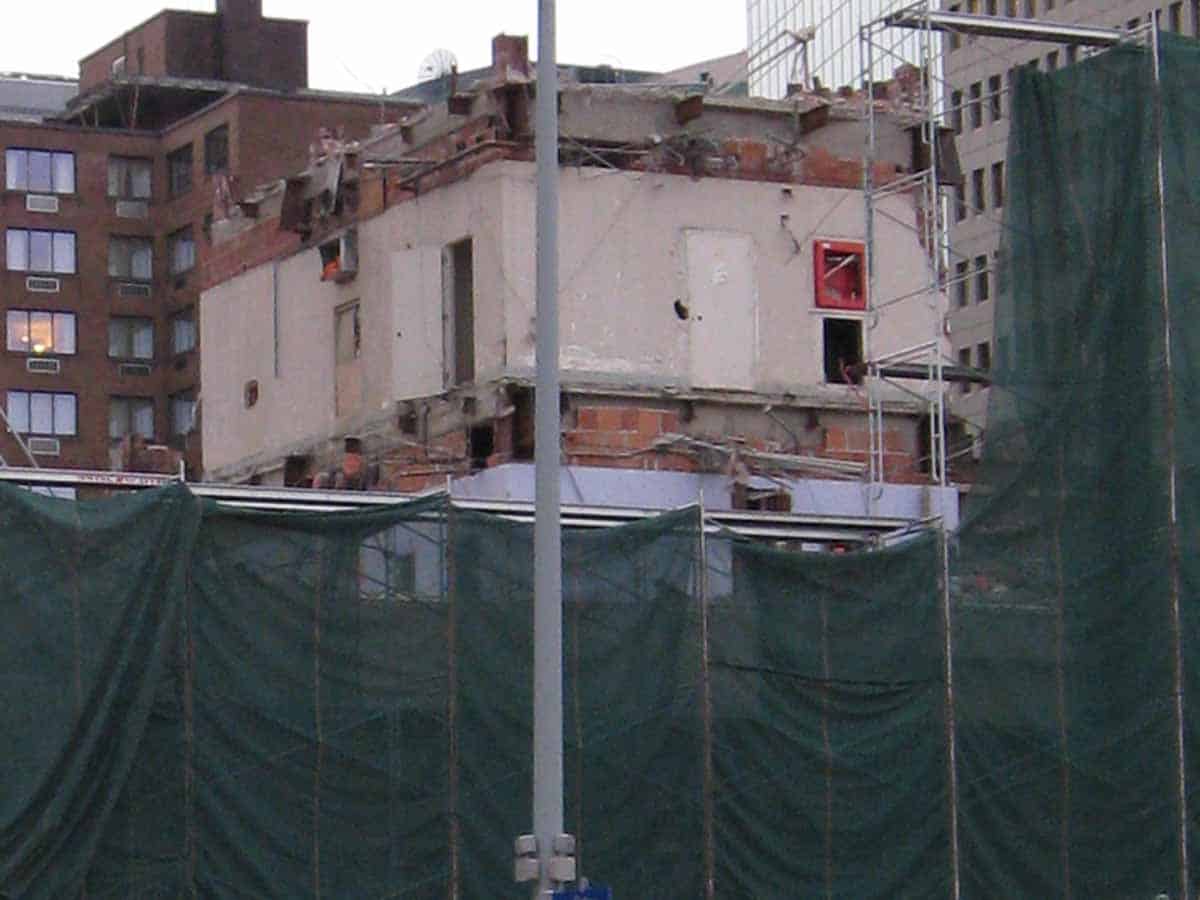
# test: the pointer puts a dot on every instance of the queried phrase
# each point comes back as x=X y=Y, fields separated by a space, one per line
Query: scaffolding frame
x=925 y=362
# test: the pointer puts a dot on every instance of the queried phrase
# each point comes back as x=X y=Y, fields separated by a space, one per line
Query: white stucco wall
x=737 y=253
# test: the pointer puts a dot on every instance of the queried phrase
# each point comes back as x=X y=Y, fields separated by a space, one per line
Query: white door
x=723 y=308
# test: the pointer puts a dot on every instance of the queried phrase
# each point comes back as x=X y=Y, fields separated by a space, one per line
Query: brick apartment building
x=106 y=211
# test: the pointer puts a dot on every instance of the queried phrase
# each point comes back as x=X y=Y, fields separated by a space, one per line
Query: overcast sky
x=367 y=45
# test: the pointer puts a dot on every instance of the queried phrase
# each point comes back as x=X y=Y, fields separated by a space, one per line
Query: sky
x=371 y=46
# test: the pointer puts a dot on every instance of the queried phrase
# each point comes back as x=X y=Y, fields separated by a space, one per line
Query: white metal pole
x=547 y=547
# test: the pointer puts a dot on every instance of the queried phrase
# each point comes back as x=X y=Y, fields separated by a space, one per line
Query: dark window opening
x=481 y=440
x=296 y=472
x=994 y=98
x=982 y=279
x=964 y=359
x=761 y=500
x=962 y=285
x=216 y=150
x=179 y=171
x=843 y=350
x=523 y=424
x=339 y=257
x=983 y=355
x=458 y=310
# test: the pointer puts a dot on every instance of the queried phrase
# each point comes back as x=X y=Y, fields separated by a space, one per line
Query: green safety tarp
x=202 y=701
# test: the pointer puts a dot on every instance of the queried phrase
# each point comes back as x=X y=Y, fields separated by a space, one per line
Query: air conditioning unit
x=132 y=209
x=42 y=285
x=42 y=365
x=43 y=446
x=127 y=289
x=40 y=203
x=139 y=369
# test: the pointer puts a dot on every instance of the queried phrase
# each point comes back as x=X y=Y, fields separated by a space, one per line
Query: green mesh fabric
x=210 y=702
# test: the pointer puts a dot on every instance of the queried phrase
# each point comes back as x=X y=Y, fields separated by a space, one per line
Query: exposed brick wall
x=417 y=466
x=900 y=462
x=255 y=246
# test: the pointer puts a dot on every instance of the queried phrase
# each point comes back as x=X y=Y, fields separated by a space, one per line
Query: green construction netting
x=202 y=701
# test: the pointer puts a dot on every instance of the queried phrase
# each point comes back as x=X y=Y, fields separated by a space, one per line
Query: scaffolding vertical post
x=710 y=853
x=874 y=432
x=1172 y=466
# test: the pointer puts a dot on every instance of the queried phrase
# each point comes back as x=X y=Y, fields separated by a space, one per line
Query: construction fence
x=203 y=701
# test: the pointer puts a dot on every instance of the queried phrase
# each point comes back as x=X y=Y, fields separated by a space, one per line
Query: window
x=130 y=415
x=1072 y=54
x=1030 y=9
x=964 y=360
x=994 y=99
x=183 y=332
x=129 y=178
x=983 y=356
x=960 y=203
x=183 y=412
x=348 y=375
x=179 y=170
x=978 y=197
x=216 y=150
x=976 y=104
x=182 y=250
x=40 y=251
x=1010 y=8
x=39 y=171
x=131 y=258
x=955 y=37
x=1052 y=61
x=991 y=7
x=982 y=291
x=962 y=283
x=130 y=337
x=840 y=276
x=349 y=333
x=41 y=412
x=956 y=111
x=843 y=350
x=998 y=183
x=1196 y=18
x=1175 y=17
x=40 y=331
x=1049 y=5
x=458 y=311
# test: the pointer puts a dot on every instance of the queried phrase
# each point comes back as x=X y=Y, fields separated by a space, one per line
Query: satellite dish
x=436 y=65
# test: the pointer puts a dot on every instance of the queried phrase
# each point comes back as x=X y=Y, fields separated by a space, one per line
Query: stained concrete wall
x=624 y=265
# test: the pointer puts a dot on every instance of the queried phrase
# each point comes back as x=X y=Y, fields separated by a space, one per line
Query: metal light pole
x=547 y=545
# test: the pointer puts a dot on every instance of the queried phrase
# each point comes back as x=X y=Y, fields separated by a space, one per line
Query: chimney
x=510 y=58
x=239 y=23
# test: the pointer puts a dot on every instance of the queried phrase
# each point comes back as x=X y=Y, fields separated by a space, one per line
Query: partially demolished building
x=370 y=321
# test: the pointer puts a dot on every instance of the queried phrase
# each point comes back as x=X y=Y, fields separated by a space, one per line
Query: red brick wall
x=151 y=38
